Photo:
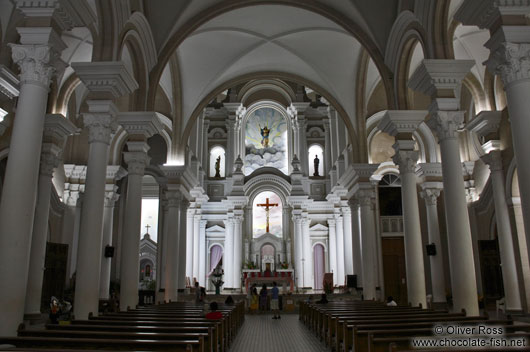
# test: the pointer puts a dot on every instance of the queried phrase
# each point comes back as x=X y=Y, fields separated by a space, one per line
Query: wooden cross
x=147 y=228
x=267 y=207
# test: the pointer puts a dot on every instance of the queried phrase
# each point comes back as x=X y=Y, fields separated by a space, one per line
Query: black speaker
x=351 y=281
x=109 y=251
x=431 y=249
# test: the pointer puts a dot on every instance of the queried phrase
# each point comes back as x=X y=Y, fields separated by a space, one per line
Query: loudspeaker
x=109 y=251
x=351 y=281
x=431 y=249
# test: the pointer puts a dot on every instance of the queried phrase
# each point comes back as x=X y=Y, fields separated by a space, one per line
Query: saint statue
x=316 y=162
x=218 y=167
x=265 y=131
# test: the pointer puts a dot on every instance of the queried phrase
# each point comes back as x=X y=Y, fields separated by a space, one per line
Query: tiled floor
x=288 y=334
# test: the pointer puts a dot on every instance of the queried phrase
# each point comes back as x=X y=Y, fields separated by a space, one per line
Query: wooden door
x=490 y=268
x=54 y=272
x=395 y=277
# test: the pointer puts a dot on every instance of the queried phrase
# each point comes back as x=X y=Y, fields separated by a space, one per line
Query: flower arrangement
x=284 y=265
x=250 y=265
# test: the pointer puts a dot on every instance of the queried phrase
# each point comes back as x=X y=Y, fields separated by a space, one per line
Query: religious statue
x=218 y=167
x=265 y=131
x=316 y=162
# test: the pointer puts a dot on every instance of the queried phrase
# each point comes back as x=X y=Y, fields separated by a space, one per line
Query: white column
x=189 y=243
x=136 y=160
x=430 y=195
x=196 y=235
x=230 y=126
x=327 y=146
x=100 y=126
x=108 y=220
x=356 y=240
x=509 y=47
x=339 y=221
x=49 y=161
x=238 y=240
x=20 y=183
x=162 y=249
x=307 y=253
x=506 y=247
x=462 y=265
x=332 y=249
x=182 y=231
x=348 y=241
x=368 y=236
x=442 y=80
x=406 y=159
x=202 y=253
x=100 y=120
x=205 y=151
x=228 y=253
x=298 y=256
x=174 y=202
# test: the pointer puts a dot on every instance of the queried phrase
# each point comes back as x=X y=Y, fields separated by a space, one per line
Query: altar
x=283 y=277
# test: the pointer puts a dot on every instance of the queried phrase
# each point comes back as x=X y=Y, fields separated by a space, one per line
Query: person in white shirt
x=390 y=302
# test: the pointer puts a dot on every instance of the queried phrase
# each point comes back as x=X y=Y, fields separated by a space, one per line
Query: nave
x=261 y=333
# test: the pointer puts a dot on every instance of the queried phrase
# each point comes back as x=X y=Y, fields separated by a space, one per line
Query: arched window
x=316 y=160
x=267 y=204
x=217 y=160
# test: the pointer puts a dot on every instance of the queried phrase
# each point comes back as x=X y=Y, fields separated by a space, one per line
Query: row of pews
x=372 y=326
x=176 y=326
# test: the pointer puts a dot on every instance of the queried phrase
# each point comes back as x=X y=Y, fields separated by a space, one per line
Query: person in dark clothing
x=323 y=299
x=229 y=301
x=263 y=298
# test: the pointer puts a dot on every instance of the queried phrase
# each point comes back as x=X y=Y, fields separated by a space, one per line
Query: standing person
x=254 y=300
x=263 y=298
x=275 y=301
x=197 y=293
x=202 y=296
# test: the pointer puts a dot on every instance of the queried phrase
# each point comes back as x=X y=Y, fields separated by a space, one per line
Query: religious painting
x=265 y=141
x=267 y=212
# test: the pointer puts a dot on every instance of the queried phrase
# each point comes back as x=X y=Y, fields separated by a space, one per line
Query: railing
x=391 y=224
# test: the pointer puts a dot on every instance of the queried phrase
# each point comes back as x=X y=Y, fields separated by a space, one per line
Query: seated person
x=214 y=314
x=229 y=300
x=323 y=299
x=390 y=302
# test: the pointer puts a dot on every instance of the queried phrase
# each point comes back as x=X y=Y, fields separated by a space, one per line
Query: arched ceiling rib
x=284 y=39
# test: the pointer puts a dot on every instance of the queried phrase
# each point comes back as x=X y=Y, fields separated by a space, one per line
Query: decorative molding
x=141 y=123
x=487 y=13
x=9 y=83
x=111 y=77
x=57 y=128
x=485 y=123
x=136 y=162
x=398 y=122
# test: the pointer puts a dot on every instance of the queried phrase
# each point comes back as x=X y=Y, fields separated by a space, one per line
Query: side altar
x=283 y=277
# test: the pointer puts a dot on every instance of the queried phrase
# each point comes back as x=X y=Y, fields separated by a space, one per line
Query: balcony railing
x=391 y=224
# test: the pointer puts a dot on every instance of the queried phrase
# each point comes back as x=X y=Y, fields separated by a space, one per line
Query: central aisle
x=262 y=333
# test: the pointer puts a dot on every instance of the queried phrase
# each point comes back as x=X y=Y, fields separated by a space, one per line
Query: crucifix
x=147 y=228
x=267 y=207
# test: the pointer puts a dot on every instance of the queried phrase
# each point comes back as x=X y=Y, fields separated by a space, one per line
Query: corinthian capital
x=407 y=160
x=136 y=162
x=49 y=159
x=100 y=127
x=430 y=195
x=511 y=61
x=493 y=159
x=446 y=123
x=35 y=62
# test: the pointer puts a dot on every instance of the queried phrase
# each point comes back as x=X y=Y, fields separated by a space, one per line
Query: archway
x=319 y=260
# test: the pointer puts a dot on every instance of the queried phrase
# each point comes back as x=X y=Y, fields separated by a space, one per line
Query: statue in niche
x=316 y=163
x=265 y=131
x=218 y=167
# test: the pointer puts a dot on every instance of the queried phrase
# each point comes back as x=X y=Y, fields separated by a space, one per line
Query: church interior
x=357 y=152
